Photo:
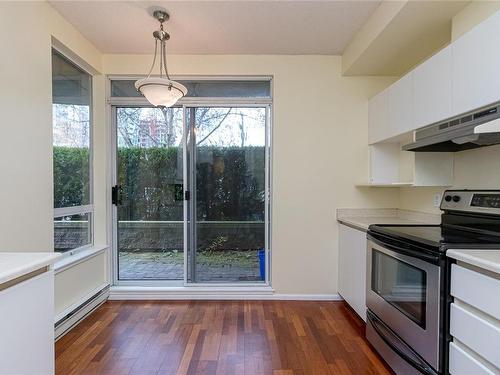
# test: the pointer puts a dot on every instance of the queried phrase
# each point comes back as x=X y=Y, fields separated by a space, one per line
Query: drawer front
x=477 y=333
x=462 y=363
x=476 y=289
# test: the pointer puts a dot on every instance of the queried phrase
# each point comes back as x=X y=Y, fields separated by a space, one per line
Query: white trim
x=269 y=188
x=73 y=57
x=73 y=210
x=185 y=203
x=195 y=77
x=205 y=293
x=194 y=102
x=72 y=260
x=79 y=310
x=113 y=181
x=308 y=297
x=110 y=181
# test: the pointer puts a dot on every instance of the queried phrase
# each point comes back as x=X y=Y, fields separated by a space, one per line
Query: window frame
x=87 y=208
x=195 y=102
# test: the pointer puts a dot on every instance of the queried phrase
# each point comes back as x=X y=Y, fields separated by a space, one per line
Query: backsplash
x=473 y=169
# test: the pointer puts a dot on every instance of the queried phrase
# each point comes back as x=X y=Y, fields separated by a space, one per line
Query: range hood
x=474 y=129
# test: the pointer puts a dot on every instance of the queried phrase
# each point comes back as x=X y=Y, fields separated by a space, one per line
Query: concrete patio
x=216 y=266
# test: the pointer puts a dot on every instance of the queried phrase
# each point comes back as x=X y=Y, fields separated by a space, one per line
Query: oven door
x=403 y=292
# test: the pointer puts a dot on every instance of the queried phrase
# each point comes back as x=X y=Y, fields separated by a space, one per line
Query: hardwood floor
x=218 y=337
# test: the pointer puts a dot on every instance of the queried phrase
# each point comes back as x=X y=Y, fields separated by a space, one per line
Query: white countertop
x=14 y=265
x=362 y=218
x=486 y=259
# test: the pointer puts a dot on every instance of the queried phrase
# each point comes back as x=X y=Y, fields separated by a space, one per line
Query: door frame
x=191 y=103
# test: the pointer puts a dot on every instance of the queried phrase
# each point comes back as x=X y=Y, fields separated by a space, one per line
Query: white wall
x=471 y=15
x=319 y=153
x=26 y=144
x=26 y=192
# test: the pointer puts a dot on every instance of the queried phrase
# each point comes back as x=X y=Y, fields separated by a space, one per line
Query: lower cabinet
x=474 y=322
x=27 y=327
x=465 y=362
x=352 y=268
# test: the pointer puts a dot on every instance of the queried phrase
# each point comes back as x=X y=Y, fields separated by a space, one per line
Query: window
x=72 y=154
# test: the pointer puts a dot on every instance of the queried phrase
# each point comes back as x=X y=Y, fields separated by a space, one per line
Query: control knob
x=456 y=198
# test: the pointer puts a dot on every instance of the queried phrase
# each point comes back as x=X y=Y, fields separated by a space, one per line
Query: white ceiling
x=221 y=27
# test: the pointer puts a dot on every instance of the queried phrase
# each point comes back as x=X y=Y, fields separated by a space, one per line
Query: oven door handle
x=384 y=334
x=401 y=250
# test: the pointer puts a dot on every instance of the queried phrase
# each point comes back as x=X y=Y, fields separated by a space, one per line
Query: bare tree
x=243 y=135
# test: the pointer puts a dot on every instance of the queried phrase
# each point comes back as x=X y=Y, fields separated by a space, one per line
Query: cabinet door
x=476 y=62
x=27 y=327
x=378 y=124
x=352 y=268
x=400 y=106
x=432 y=89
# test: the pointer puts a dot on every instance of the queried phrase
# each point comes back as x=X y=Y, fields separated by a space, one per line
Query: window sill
x=79 y=257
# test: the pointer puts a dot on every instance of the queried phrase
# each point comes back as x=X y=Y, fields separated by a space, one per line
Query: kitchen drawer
x=462 y=363
x=476 y=289
x=478 y=333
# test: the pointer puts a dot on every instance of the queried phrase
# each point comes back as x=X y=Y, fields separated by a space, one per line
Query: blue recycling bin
x=262 y=264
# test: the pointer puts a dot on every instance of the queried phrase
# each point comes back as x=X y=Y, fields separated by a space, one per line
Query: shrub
x=231 y=182
x=71 y=176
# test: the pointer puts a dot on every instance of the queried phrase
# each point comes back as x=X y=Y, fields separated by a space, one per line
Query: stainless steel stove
x=408 y=277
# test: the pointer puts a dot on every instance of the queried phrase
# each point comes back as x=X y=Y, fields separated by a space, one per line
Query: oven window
x=401 y=285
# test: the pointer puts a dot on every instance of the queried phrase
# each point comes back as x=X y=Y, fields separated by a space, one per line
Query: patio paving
x=217 y=266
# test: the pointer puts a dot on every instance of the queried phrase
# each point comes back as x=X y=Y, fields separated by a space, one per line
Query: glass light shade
x=161 y=91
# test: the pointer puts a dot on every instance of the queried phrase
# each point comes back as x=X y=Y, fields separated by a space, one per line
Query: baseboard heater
x=68 y=321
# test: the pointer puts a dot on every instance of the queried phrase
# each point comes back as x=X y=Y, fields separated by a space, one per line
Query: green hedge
x=231 y=182
x=71 y=176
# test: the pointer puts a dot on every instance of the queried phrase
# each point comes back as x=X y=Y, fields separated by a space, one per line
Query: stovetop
x=439 y=236
x=470 y=219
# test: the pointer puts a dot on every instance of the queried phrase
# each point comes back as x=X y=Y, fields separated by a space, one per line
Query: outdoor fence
x=169 y=235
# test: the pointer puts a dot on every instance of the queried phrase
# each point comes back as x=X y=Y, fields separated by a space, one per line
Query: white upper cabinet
x=390 y=113
x=378 y=124
x=476 y=66
x=432 y=89
x=400 y=106
x=460 y=78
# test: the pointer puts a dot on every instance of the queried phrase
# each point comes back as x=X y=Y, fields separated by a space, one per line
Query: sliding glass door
x=191 y=185
x=227 y=207
x=149 y=193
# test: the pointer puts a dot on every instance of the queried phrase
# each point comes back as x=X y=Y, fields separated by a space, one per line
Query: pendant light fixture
x=161 y=91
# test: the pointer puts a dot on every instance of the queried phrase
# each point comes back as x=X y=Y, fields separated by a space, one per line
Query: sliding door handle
x=116 y=195
x=178 y=192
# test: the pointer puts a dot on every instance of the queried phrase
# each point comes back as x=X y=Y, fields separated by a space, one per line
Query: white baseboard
x=308 y=297
x=205 y=293
x=70 y=317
